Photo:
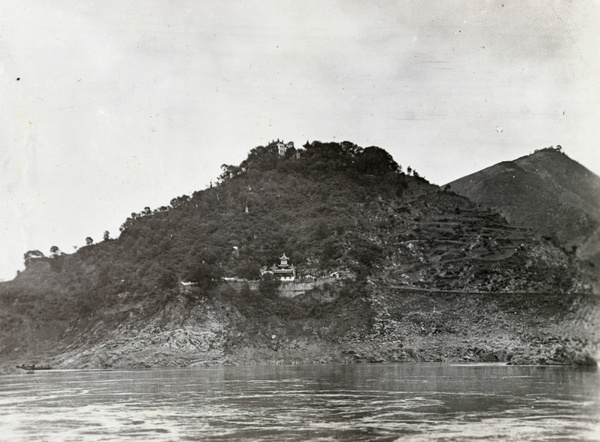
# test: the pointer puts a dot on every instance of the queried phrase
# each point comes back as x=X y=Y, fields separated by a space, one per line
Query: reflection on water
x=333 y=402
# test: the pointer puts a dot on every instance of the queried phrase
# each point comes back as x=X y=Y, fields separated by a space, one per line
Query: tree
x=245 y=290
x=128 y=222
x=106 y=235
x=205 y=275
x=31 y=255
x=375 y=160
x=179 y=201
x=269 y=285
x=55 y=251
x=248 y=270
x=89 y=241
x=228 y=172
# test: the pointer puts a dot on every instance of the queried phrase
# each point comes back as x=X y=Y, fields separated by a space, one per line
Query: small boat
x=31 y=367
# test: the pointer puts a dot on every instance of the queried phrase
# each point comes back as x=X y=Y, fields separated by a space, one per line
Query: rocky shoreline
x=385 y=326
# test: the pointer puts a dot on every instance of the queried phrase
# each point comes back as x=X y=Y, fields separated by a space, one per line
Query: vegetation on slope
x=547 y=192
x=329 y=206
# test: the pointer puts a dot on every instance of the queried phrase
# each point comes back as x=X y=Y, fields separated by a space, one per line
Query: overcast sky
x=110 y=106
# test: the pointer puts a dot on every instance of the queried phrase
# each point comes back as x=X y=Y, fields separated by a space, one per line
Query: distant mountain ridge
x=546 y=191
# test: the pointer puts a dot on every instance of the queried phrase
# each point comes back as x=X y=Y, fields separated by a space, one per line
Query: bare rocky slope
x=425 y=275
x=545 y=191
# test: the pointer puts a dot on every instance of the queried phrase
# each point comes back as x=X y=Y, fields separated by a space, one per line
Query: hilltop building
x=282 y=147
x=284 y=270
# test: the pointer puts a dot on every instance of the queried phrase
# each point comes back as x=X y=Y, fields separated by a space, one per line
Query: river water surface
x=312 y=402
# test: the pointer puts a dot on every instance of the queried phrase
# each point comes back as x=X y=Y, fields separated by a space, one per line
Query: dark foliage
x=329 y=206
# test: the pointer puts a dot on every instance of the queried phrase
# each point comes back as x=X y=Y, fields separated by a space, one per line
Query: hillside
x=547 y=192
x=333 y=209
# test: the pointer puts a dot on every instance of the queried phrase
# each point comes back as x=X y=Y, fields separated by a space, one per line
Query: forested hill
x=331 y=207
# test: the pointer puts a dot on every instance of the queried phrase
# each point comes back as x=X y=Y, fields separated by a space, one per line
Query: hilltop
x=420 y=273
x=546 y=191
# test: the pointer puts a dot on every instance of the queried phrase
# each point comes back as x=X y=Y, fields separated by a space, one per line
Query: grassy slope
x=546 y=191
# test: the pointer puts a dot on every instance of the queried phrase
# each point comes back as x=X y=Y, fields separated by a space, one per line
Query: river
x=412 y=401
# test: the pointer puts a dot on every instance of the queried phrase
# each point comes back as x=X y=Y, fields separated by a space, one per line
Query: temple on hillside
x=283 y=147
x=284 y=270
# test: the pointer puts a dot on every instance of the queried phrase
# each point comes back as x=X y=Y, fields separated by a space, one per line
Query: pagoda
x=284 y=270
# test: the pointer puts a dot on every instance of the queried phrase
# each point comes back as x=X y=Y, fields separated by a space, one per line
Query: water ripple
x=358 y=402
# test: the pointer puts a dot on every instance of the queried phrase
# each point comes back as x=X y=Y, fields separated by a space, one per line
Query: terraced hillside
x=547 y=192
x=444 y=241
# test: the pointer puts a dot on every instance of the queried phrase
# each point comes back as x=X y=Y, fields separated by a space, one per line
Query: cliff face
x=370 y=323
x=331 y=208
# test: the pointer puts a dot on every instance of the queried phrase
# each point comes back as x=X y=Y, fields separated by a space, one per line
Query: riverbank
x=341 y=323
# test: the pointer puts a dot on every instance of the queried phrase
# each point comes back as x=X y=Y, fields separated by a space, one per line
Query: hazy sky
x=110 y=106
